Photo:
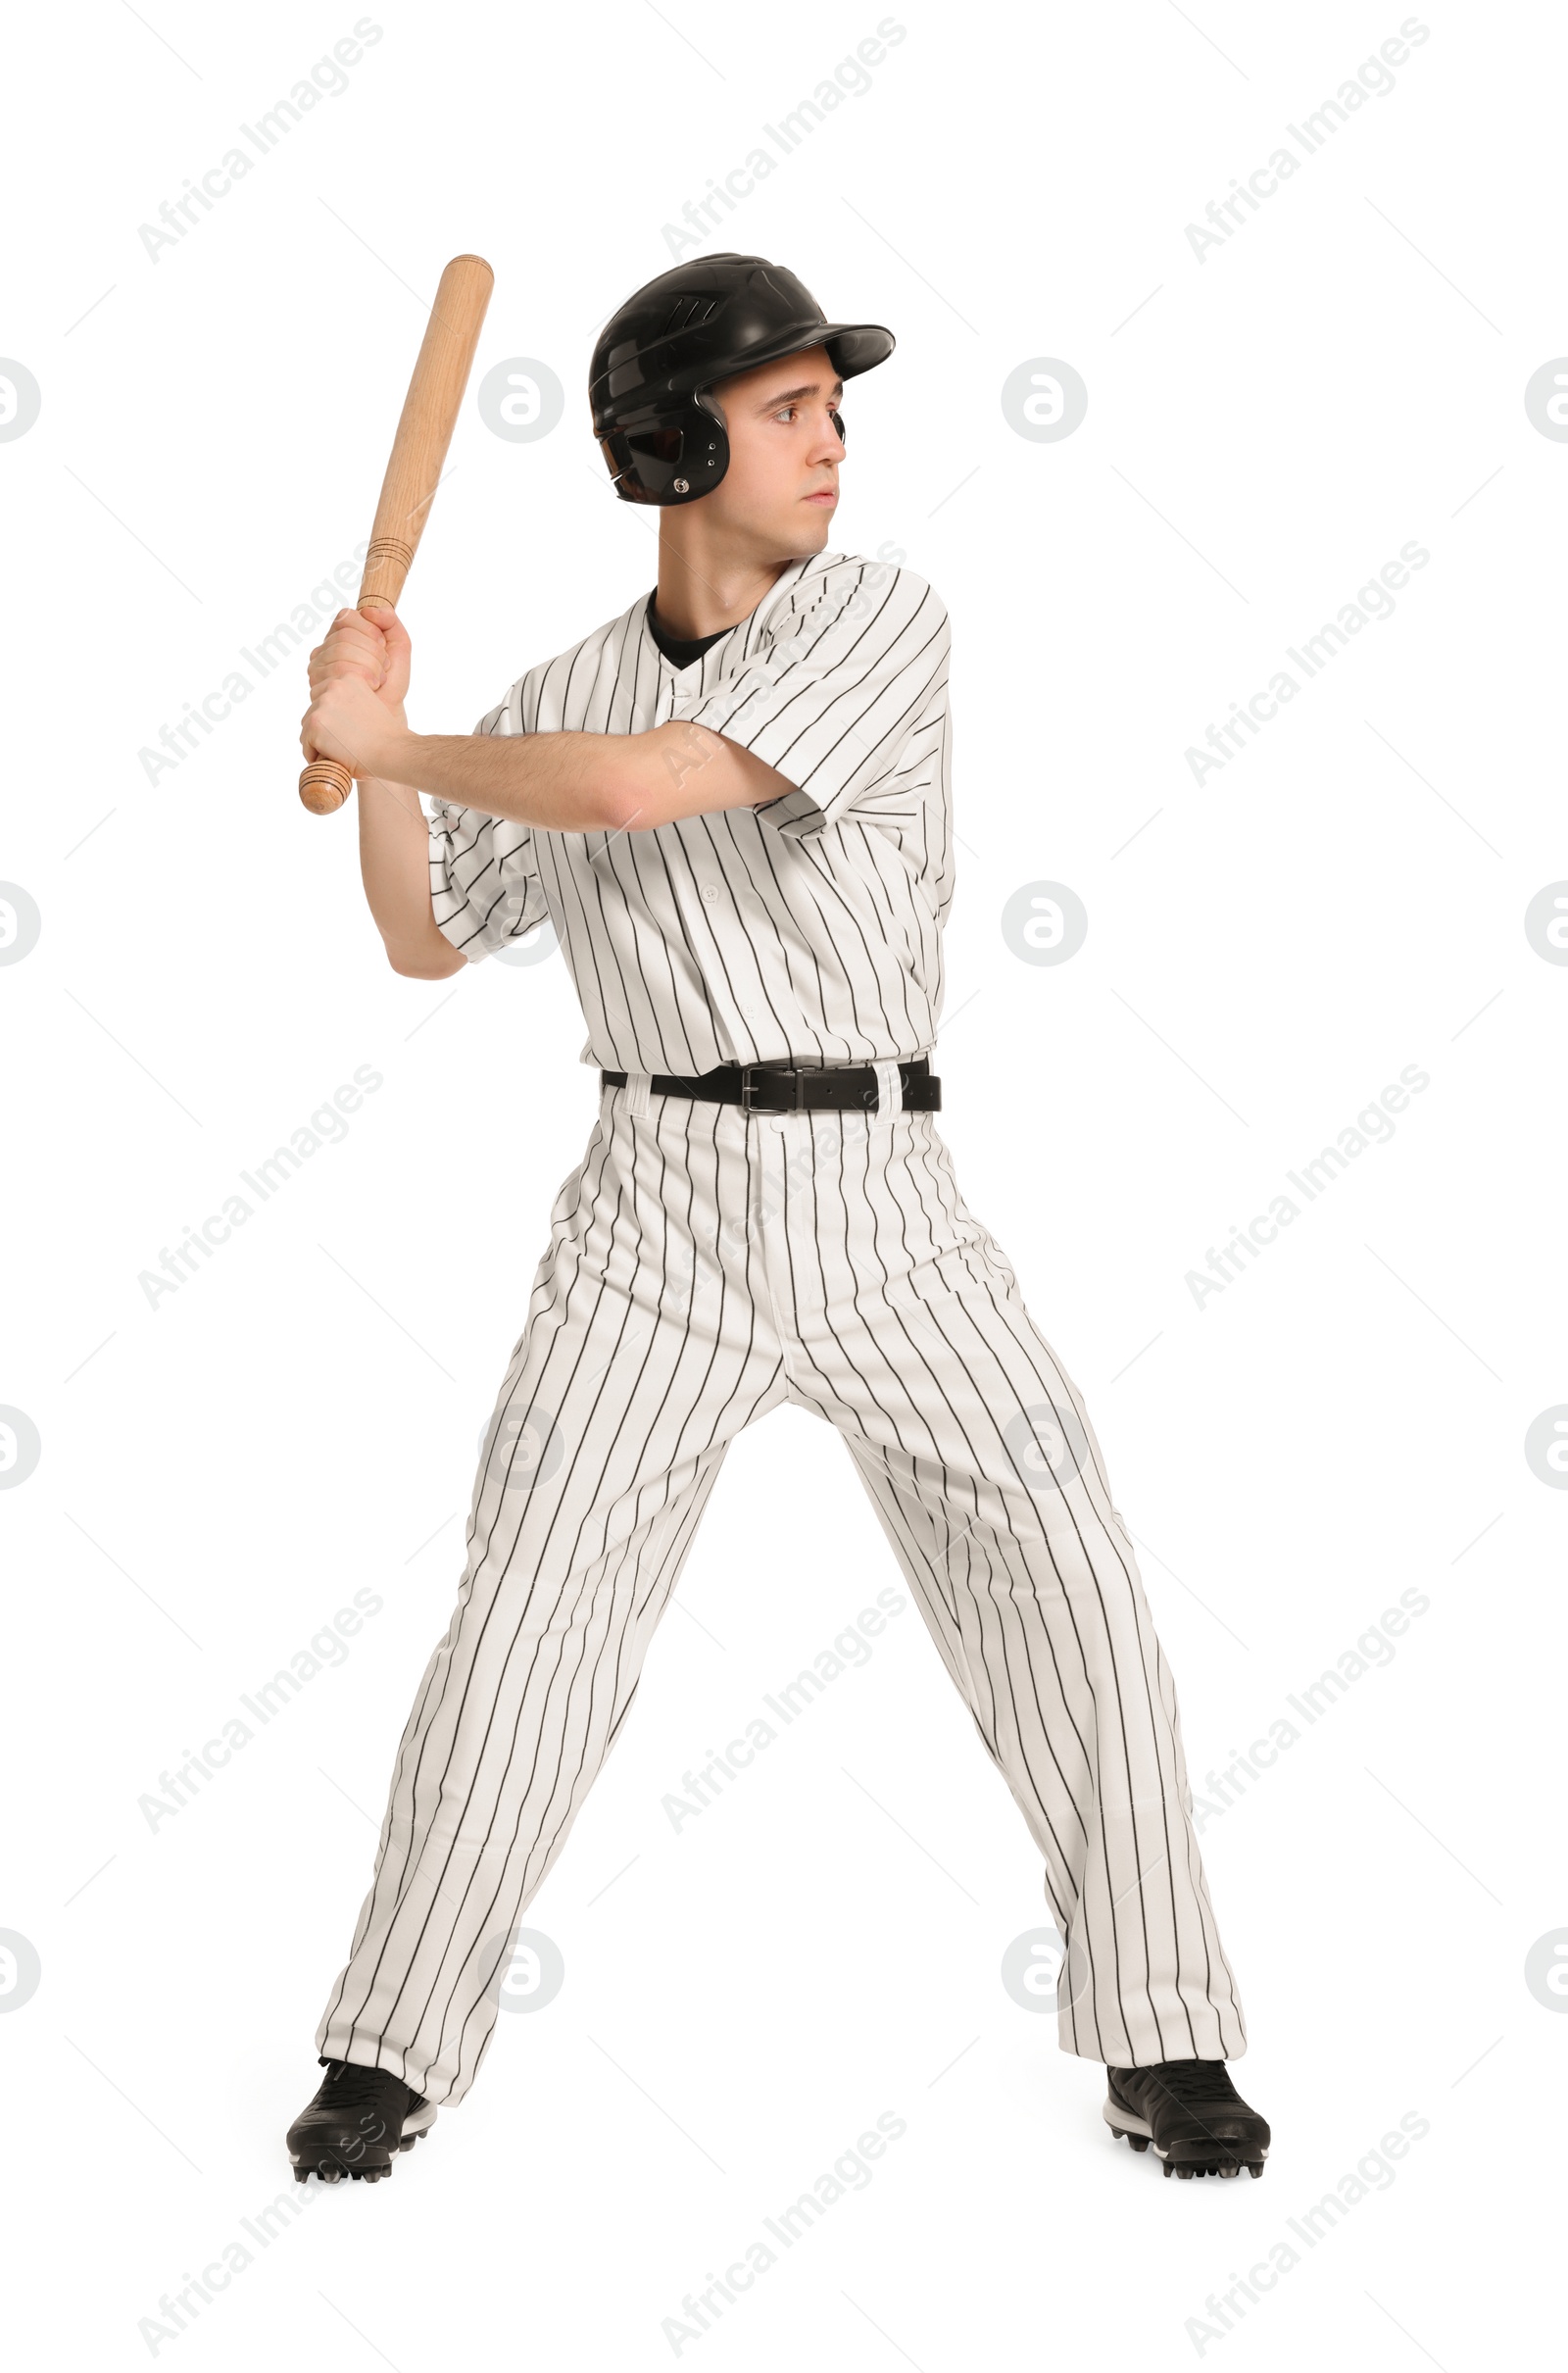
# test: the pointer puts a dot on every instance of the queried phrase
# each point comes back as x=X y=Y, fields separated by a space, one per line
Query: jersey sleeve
x=485 y=890
x=838 y=694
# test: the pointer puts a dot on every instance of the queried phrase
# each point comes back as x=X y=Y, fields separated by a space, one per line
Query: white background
x=1265 y=429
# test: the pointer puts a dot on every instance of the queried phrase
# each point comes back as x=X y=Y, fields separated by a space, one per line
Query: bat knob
x=324 y=785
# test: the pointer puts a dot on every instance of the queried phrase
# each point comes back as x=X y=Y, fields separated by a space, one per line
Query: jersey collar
x=780 y=588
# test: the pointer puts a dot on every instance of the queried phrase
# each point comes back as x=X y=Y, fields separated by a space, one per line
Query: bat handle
x=326 y=782
x=324 y=785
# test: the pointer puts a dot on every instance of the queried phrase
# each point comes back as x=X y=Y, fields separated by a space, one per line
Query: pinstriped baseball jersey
x=809 y=928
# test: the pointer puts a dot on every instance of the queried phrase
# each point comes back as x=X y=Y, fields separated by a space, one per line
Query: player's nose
x=826 y=446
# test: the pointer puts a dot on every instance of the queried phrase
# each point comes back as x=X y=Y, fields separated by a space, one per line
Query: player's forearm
x=586 y=782
x=395 y=868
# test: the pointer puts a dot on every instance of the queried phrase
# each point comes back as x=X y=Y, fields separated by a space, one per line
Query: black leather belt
x=768 y=1087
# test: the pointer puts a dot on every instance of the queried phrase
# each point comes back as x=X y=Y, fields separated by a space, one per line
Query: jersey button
x=709 y=894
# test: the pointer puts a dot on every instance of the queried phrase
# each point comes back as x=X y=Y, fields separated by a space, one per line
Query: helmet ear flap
x=837 y=418
x=704 y=451
x=669 y=458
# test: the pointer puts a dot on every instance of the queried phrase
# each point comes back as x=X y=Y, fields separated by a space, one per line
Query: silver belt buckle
x=791 y=1071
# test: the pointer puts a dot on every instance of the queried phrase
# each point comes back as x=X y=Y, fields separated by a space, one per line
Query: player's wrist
x=395 y=752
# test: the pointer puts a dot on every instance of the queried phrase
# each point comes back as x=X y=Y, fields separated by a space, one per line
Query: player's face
x=781 y=487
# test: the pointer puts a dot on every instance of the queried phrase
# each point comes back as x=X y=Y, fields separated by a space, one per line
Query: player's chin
x=816 y=524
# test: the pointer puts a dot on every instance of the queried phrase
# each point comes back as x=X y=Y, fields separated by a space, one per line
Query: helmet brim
x=852 y=347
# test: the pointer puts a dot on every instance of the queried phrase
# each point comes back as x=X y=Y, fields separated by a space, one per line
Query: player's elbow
x=641 y=780
x=674 y=770
x=631 y=786
x=613 y=807
x=425 y=960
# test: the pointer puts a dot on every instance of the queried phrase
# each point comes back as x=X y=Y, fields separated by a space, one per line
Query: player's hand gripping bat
x=424 y=432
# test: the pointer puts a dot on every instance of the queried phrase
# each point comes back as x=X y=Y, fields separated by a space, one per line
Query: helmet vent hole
x=690 y=313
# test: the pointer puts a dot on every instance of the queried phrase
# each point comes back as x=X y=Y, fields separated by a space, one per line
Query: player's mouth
x=826 y=497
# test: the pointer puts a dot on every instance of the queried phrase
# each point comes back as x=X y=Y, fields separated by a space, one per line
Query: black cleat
x=1193 y=2115
x=356 y=2125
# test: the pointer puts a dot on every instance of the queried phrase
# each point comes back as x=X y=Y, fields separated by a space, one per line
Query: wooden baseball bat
x=414 y=472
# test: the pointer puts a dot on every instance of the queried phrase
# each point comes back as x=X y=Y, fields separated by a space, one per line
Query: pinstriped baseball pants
x=704 y=1265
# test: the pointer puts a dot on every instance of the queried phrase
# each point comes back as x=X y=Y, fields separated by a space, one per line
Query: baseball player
x=731 y=805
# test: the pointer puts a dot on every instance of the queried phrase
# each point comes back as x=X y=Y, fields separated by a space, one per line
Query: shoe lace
x=1194 y=2080
x=351 y=2084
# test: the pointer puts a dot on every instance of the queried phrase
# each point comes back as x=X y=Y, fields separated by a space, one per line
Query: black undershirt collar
x=680 y=654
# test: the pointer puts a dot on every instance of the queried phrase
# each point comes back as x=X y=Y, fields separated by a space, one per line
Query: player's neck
x=707 y=582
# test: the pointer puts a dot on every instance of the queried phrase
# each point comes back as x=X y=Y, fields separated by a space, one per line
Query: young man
x=732 y=805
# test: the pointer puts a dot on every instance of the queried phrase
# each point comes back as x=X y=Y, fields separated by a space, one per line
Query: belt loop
x=889 y=1090
x=638 y=1084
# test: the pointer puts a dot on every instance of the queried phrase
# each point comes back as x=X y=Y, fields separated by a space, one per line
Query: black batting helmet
x=657 y=357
